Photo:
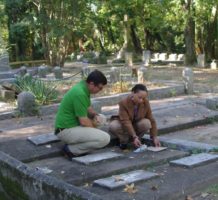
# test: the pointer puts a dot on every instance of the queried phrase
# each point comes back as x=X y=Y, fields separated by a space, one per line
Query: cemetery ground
x=186 y=125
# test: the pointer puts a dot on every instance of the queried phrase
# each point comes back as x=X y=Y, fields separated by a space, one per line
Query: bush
x=44 y=93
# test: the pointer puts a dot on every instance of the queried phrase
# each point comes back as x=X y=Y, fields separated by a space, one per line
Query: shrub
x=44 y=93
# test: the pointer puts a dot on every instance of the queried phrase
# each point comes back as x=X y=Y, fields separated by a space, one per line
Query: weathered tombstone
x=213 y=65
x=114 y=75
x=128 y=59
x=58 y=72
x=4 y=63
x=163 y=56
x=85 y=70
x=22 y=71
x=146 y=57
x=173 y=57
x=119 y=180
x=42 y=71
x=212 y=103
x=26 y=104
x=188 y=80
x=142 y=72
x=98 y=157
x=201 y=60
x=181 y=57
x=195 y=160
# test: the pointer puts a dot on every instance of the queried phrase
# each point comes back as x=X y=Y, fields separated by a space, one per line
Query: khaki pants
x=84 y=139
x=141 y=127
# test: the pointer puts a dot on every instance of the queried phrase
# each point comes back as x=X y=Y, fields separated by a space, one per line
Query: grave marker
x=195 y=160
x=117 y=181
x=98 y=157
x=43 y=139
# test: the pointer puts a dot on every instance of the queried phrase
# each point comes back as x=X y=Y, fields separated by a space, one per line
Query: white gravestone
x=188 y=80
x=173 y=57
x=146 y=57
x=163 y=56
x=213 y=65
x=128 y=59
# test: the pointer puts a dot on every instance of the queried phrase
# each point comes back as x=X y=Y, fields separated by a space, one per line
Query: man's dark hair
x=97 y=77
x=139 y=87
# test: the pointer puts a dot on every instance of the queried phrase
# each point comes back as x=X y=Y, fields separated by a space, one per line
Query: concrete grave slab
x=98 y=157
x=43 y=139
x=156 y=149
x=195 y=160
x=117 y=181
x=184 y=145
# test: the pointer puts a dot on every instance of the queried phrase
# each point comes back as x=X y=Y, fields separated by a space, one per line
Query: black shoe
x=67 y=153
x=123 y=146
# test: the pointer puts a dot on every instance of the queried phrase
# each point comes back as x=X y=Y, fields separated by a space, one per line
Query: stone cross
x=188 y=80
x=26 y=103
x=58 y=72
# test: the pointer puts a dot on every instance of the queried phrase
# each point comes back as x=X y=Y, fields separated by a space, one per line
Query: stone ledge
x=36 y=185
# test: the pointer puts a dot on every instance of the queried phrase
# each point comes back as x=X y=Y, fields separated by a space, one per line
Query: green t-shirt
x=74 y=104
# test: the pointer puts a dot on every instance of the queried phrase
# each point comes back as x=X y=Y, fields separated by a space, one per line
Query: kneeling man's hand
x=156 y=142
x=137 y=143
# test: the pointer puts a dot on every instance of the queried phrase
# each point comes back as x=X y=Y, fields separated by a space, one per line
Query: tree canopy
x=51 y=30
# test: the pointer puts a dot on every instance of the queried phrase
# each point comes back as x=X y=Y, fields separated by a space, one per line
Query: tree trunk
x=135 y=39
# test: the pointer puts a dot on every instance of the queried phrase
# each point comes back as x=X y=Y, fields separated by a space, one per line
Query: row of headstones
x=147 y=57
x=41 y=71
x=187 y=74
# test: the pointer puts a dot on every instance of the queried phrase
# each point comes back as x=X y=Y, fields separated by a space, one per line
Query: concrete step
x=6 y=75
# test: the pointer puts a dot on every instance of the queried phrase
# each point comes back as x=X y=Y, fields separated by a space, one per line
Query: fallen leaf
x=87 y=185
x=130 y=189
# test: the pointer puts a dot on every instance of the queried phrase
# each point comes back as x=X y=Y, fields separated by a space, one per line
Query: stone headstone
x=163 y=56
x=42 y=71
x=4 y=63
x=195 y=160
x=142 y=73
x=212 y=103
x=98 y=157
x=213 y=65
x=128 y=59
x=26 y=103
x=117 y=181
x=114 y=75
x=188 y=80
x=146 y=57
x=155 y=56
x=22 y=71
x=201 y=60
x=43 y=139
x=58 y=72
x=181 y=57
x=173 y=57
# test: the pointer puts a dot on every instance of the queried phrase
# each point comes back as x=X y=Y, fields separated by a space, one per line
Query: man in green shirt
x=74 y=124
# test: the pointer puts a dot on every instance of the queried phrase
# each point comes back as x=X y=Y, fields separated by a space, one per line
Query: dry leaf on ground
x=118 y=178
x=188 y=198
x=130 y=189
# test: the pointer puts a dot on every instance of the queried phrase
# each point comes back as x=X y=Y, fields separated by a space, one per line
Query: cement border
x=36 y=185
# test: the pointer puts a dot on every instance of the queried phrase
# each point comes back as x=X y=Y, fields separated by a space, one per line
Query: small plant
x=120 y=87
x=43 y=92
x=173 y=92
